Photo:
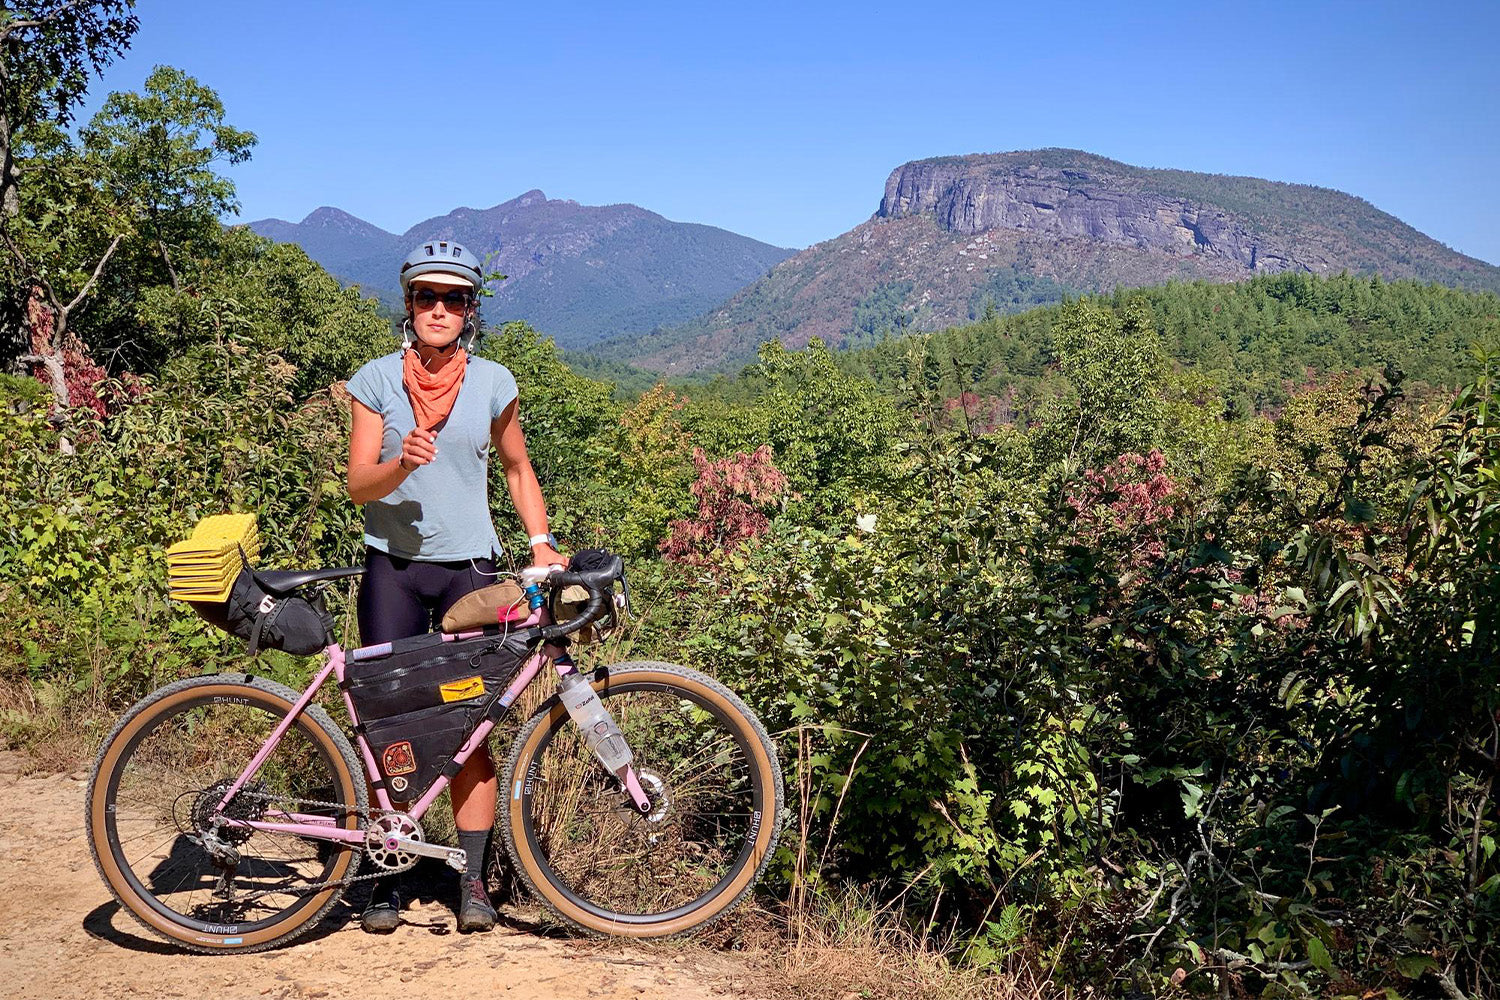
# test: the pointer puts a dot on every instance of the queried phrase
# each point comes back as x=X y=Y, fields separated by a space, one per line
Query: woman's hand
x=546 y=555
x=417 y=449
x=369 y=477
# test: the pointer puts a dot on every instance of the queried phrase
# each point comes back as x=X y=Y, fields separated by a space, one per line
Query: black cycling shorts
x=402 y=597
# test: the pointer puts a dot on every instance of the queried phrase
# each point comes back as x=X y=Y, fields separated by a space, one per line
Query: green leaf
x=1192 y=799
x=1317 y=954
x=1415 y=965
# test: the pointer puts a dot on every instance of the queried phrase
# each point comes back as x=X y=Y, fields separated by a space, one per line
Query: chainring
x=380 y=838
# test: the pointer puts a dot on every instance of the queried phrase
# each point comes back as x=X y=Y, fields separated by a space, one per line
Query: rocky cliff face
x=972 y=195
x=957 y=235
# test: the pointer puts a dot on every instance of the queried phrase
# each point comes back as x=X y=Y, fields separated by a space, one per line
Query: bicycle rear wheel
x=715 y=784
x=161 y=774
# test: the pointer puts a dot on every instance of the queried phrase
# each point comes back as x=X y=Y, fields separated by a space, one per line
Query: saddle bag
x=298 y=625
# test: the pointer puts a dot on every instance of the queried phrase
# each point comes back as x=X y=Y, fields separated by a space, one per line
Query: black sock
x=473 y=842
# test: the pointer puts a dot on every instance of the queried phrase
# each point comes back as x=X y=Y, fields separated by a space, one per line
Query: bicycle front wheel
x=711 y=773
x=156 y=786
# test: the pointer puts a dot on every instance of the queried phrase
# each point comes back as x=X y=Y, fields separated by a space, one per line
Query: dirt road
x=63 y=936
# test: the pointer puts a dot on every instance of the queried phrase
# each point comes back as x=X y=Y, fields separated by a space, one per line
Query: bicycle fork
x=601 y=734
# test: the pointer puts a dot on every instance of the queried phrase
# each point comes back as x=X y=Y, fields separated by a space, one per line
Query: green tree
x=138 y=190
x=58 y=248
x=1115 y=365
x=47 y=51
x=158 y=151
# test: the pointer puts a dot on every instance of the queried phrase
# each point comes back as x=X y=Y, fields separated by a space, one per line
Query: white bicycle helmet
x=438 y=259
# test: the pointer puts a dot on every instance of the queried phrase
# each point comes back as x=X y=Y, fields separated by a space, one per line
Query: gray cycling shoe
x=475 y=911
x=383 y=913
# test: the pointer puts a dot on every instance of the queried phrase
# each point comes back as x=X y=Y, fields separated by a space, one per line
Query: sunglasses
x=454 y=301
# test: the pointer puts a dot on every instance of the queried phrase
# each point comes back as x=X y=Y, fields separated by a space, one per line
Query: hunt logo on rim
x=462 y=690
x=398 y=759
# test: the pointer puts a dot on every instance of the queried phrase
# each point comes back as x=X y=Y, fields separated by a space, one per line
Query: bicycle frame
x=326 y=827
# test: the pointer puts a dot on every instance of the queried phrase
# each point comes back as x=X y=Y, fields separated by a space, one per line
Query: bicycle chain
x=364 y=814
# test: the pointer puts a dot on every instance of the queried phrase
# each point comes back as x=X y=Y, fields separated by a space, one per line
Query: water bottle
x=600 y=733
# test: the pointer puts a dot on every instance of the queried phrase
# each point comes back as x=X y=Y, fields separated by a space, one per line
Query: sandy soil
x=62 y=935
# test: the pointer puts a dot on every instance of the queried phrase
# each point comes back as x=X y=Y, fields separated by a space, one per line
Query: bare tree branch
x=56 y=375
x=1450 y=988
x=1234 y=960
x=32 y=273
x=15 y=26
x=95 y=276
x=167 y=260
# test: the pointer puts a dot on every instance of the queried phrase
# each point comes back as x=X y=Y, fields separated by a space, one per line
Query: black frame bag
x=413 y=748
x=295 y=624
x=424 y=671
x=419 y=698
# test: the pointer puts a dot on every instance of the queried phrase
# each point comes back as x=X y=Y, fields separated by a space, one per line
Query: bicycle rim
x=165 y=769
x=716 y=790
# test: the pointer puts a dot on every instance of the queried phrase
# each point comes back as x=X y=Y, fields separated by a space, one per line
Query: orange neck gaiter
x=432 y=393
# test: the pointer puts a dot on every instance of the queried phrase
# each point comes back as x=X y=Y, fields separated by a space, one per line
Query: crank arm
x=455 y=857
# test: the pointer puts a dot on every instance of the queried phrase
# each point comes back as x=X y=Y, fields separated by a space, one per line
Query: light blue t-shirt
x=441 y=512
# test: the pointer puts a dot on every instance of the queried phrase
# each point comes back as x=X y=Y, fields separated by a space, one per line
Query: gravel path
x=62 y=935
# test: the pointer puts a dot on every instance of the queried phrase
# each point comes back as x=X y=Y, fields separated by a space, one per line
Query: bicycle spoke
x=606 y=852
x=167 y=787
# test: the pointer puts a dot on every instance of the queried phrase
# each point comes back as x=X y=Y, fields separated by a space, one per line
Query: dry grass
x=847 y=946
x=52 y=727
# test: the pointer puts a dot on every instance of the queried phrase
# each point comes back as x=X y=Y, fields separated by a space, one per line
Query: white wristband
x=543 y=539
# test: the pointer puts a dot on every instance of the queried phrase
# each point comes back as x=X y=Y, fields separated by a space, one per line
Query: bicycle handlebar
x=598 y=582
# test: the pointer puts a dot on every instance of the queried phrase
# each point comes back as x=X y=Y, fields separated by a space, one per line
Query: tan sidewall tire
x=271 y=695
x=763 y=757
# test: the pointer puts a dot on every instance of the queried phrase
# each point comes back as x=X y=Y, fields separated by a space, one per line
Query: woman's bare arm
x=525 y=491
x=369 y=478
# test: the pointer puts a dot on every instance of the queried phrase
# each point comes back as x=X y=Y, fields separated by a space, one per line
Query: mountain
x=577 y=272
x=351 y=249
x=955 y=236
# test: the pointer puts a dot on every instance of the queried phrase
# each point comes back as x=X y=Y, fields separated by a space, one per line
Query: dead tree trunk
x=47 y=315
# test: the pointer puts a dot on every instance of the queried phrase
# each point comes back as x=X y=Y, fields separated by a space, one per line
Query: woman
x=425 y=419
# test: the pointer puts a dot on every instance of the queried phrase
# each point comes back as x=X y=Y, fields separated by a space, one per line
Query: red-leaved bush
x=1125 y=507
x=734 y=495
x=80 y=374
x=981 y=414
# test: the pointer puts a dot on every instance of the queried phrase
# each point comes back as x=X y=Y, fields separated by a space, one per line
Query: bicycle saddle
x=284 y=581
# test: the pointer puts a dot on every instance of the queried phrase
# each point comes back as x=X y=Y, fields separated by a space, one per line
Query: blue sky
x=782 y=121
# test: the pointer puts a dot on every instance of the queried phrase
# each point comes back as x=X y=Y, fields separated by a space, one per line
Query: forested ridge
x=1144 y=642
x=1256 y=340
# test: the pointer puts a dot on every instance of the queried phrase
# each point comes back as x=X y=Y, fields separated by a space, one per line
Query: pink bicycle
x=228 y=812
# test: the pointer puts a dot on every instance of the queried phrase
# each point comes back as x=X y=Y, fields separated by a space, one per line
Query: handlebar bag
x=298 y=625
x=569 y=602
x=428 y=671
